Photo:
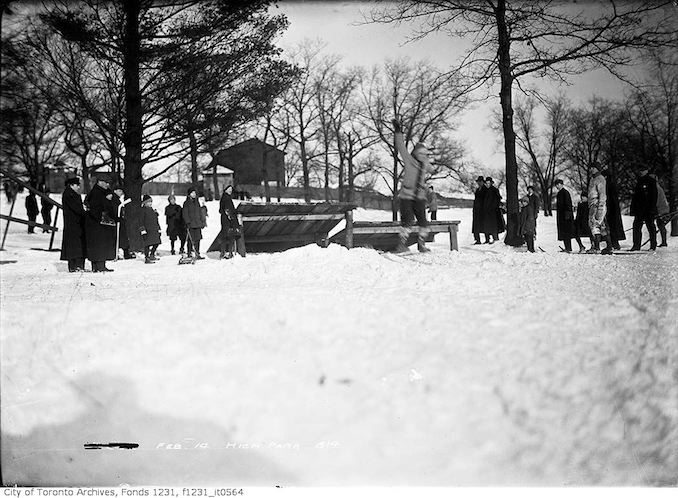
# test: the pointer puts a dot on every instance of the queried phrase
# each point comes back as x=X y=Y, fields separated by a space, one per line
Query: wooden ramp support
x=385 y=235
x=271 y=227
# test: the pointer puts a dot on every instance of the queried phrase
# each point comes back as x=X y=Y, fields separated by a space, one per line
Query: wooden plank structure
x=10 y=218
x=271 y=227
x=385 y=235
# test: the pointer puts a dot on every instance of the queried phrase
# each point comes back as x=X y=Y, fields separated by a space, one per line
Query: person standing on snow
x=581 y=222
x=662 y=210
x=527 y=222
x=150 y=229
x=493 y=220
x=644 y=208
x=123 y=238
x=229 y=224
x=432 y=200
x=73 y=240
x=46 y=209
x=100 y=226
x=412 y=194
x=597 y=211
x=31 y=210
x=564 y=215
x=478 y=223
x=614 y=218
x=176 y=228
x=193 y=218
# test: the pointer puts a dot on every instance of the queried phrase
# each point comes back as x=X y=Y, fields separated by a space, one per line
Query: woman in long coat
x=614 y=217
x=564 y=216
x=225 y=241
x=73 y=240
x=100 y=226
x=493 y=219
x=478 y=224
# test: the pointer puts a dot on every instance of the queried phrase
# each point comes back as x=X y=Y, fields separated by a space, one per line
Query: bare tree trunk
x=264 y=170
x=304 y=166
x=193 y=144
x=351 y=179
x=133 y=135
x=512 y=237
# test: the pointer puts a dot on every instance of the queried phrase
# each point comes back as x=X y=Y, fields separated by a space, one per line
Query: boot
x=608 y=245
x=402 y=243
x=148 y=260
x=421 y=244
x=595 y=249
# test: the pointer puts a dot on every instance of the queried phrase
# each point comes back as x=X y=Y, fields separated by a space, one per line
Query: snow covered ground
x=486 y=366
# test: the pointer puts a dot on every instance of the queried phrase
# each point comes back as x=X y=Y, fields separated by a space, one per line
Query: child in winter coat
x=176 y=228
x=150 y=229
x=581 y=222
x=527 y=222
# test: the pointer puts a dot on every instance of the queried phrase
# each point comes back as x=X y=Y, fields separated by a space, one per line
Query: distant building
x=224 y=177
x=251 y=162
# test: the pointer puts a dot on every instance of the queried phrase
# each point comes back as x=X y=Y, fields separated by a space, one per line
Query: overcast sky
x=338 y=24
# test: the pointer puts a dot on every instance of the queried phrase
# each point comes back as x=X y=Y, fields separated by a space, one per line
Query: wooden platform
x=271 y=227
x=385 y=235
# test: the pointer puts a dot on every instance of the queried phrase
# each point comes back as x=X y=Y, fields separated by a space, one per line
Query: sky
x=340 y=24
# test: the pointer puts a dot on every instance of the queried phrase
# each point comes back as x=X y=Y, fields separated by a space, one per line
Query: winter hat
x=191 y=189
x=525 y=199
x=489 y=179
x=480 y=179
x=73 y=181
x=227 y=187
x=530 y=187
x=145 y=198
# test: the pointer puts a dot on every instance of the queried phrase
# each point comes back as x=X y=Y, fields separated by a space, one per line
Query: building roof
x=251 y=141
x=221 y=170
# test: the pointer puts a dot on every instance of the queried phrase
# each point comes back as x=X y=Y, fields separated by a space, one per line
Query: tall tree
x=512 y=39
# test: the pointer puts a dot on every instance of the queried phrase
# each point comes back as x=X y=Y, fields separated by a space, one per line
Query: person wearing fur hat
x=194 y=219
x=478 y=223
x=412 y=194
x=527 y=222
x=100 y=226
x=73 y=240
x=598 y=210
x=176 y=228
x=150 y=229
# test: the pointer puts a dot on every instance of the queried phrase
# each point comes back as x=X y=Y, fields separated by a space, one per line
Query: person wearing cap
x=493 y=219
x=478 y=223
x=73 y=239
x=564 y=215
x=527 y=222
x=176 y=228
x=432 y=201
x=123 y=238
x=597 y=210
x=614 y=217
x=412 y=194
x=644 y=208
x=193 y=218
x=100 y=226
x=150 y=229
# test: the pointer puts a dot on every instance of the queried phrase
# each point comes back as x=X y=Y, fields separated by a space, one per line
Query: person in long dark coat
x=31 y=210
x=122 y=235
x=493 y=220
x=73 y=239
x=581 y=222
x=644 y=209
x=46 y=210
x=194 y=220
x=564 y=215
x=150 y=229
x=614 y=218
x=100 y=226
x=176 y=228
x=527 y=222
x=229 y=224
x=478 y=224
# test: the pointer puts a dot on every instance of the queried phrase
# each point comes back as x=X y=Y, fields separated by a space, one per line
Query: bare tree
x=512 y=39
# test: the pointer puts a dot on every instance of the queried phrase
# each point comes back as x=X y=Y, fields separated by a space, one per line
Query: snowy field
x=486 y=366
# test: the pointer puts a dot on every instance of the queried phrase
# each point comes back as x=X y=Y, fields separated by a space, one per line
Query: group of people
x=488 y=218
x=598 y=214
x=97 y=228
x=45 y=209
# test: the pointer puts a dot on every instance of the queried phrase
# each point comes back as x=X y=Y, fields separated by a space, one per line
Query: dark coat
x=565 y=215
x=581 y=223
x=493 y=220
x=46 y=207
x=534 y=202
x=614 y=217
x=527 y=222
x=175 y=221
x=644 y=201
x=478 y=225
x=32 y=206
x=229 y=218
x=100 y=238
x=73 y=239
x=150 y=225
x=193 y=216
